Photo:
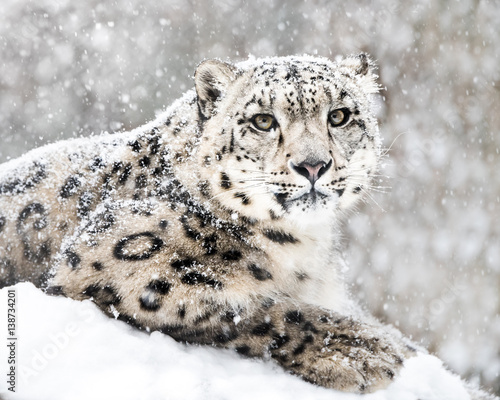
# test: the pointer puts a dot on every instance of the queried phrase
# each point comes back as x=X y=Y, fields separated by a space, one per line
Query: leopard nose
x=312 y=171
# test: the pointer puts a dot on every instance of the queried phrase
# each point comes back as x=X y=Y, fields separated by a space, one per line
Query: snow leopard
x=219 y=222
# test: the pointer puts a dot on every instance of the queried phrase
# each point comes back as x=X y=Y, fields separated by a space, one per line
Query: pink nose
x=312 y=172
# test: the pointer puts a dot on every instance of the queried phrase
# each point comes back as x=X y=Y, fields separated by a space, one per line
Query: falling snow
x=424 y=252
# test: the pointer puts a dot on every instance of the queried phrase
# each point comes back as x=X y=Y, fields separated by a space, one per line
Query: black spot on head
x=279 y=236
x=231 y=255
x=273 y=215
x=361 y=125
x=181 y=311
x=245 y=200
x=225 y=182
x=340 y=192
x=248 y=221
x=356 y=190
x=301 y=276
x=231 y=144
x=204 y=188
x=159 y=286
x=70 y=187
x=281 y=198
x=122 y=252
x=3 y=221
x=259 y=273
x=280 y=140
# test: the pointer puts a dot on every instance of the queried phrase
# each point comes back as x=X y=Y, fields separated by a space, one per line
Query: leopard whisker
x=238 y=189
x=388 y=149
x=372 y=199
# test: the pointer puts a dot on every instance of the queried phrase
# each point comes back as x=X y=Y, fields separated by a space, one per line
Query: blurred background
x=424 y=251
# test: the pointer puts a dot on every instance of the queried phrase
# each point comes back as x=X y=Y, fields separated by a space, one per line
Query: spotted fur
x=217 y=223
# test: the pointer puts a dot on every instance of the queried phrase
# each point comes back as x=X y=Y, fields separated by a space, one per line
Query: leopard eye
x=339 y=117
x=264 y=122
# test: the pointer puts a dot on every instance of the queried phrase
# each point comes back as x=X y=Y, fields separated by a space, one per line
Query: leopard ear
x=365 y=64
x=212 y=77
x=362 y=68
x=359 y=64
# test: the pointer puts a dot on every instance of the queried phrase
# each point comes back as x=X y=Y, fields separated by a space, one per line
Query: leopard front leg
x=320 y=346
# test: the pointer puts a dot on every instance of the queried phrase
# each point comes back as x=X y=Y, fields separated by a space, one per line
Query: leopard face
x=287 y=139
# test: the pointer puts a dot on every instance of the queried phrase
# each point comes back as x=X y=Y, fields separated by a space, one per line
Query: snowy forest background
x=424 y=255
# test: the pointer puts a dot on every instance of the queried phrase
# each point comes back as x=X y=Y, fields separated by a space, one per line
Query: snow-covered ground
x=69 y=350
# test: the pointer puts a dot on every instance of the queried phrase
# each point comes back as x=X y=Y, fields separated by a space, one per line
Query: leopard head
x=290 y=137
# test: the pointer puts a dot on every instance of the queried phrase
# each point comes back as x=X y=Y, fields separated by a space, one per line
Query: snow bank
x=69 y=350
